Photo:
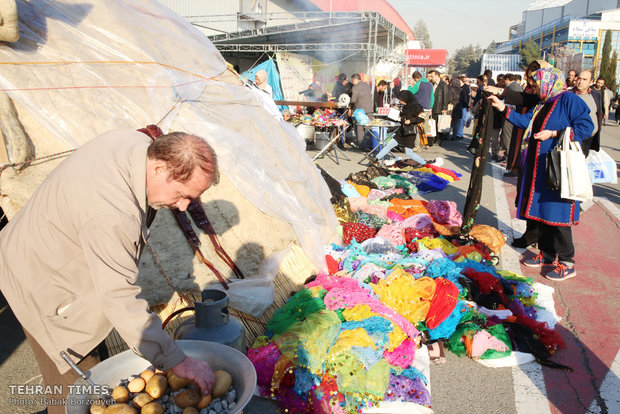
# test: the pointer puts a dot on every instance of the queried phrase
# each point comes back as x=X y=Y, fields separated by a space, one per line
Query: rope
x=336 y=61
x=26 y=163
x=108 y=62
x=165 y=274
x=64 y=153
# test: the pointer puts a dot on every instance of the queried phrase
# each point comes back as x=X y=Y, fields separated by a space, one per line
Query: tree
x=420 y=31
x=466 y=60
x=606 y=70
x=611 y=82
x=490 y=49
x=529 y=52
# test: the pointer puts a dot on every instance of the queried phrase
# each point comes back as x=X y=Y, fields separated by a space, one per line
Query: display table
x=335 y=133
x=382 y=137
x=309 y=104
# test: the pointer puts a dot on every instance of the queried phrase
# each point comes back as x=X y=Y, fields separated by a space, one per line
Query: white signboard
x=583 y=28
x=295 y=74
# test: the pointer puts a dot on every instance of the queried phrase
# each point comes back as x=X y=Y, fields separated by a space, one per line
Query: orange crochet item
x=362 y=189
x=408 y=208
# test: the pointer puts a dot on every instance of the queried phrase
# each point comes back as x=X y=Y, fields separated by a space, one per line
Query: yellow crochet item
x=406 y=295
x=350 y=338
x=438 y=243
x=361 y=312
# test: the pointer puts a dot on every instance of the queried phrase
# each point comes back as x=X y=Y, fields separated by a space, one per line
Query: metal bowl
x=122 y=366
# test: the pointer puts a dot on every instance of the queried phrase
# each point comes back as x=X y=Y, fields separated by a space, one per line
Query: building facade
x=570 y=33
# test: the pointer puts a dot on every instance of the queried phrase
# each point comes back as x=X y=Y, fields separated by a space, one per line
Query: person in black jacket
x=442 y=99
x=411 y=125
x=461 y=108
x=341 y=86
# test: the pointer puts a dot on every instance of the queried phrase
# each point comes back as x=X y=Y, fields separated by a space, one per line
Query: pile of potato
x=156 y=392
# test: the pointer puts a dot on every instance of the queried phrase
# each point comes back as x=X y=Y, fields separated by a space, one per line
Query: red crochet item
x=547 y=336
x=486 y=282
x=443 y=303
x=358 y=231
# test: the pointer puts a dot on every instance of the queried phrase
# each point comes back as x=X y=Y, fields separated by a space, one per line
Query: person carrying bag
x=551 y=208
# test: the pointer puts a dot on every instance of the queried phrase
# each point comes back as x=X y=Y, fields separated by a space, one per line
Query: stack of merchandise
x=321 y=118
x=401 y=279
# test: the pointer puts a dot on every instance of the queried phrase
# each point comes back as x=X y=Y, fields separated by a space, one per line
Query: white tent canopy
x=84 y=67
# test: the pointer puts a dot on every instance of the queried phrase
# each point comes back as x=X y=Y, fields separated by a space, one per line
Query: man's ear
x=158 y=168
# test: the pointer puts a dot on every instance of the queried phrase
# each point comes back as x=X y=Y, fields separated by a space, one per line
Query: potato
x=190 y=410
x=147 y=374
x=98 y=407
x=223 y=380
x=187 y=398
x=120 y=409
x=142 y=399
x=153 y=408
x=206 y=400
x=120 y=394
x=156 y=386
x=176 y=383
x=136 y=385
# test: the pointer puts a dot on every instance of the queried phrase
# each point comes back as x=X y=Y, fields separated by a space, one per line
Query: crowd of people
x=528 y=116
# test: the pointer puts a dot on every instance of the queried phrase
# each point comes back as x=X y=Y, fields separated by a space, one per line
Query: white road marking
x=528 y=380
x=609 y=206
x=610 y=389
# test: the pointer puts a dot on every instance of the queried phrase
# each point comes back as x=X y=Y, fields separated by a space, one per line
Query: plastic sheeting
x=84 y=67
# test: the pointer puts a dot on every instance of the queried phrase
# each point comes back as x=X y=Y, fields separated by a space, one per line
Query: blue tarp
x=273 y=77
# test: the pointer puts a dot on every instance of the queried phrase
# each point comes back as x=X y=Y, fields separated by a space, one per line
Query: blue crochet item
x=304 y=381
x=448 y=326
x=426 y=182
x=447 y=269
x=413 y=373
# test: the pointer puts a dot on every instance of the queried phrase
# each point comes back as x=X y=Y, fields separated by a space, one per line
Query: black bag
x=552 y=169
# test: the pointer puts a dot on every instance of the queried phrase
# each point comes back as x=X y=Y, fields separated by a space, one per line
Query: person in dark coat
x=340 y=87
x=461 y=108
x=442 y=99
x=361 y=98
x=409 y=119
x=557 y=110
x=525 y=101
x=411 y=125
x=594 y=100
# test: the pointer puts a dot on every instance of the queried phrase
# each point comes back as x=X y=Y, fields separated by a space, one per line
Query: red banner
x=426 y=57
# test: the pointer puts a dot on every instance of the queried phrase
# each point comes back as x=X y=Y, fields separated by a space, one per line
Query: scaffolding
x=369 y=34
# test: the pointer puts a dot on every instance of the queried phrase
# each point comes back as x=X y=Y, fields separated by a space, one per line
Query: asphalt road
x=459 y=386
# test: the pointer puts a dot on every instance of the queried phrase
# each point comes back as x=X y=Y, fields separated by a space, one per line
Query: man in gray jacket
x=69 y=258
x=361 y=98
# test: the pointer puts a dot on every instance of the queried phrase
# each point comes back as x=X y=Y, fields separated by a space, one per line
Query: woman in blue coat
x=543 y=124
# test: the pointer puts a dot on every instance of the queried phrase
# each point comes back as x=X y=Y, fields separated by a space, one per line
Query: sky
x=453 y=24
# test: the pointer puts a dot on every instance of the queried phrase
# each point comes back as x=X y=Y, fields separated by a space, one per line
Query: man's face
x=571 y=77
x=600 y=83
x=355 y=81
x=163 y=192
x=583 y=81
